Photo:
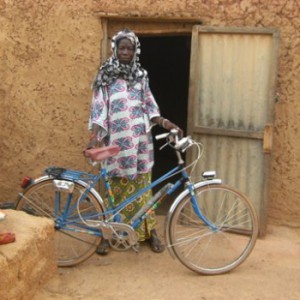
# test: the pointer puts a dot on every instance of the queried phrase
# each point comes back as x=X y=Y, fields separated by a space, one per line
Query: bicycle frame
x=112 y=213
x=137 y=220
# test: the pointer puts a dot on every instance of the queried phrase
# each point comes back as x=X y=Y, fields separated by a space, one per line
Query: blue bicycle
x=211 y=228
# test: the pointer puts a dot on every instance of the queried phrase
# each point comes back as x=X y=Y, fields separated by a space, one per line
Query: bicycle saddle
x=101 y=153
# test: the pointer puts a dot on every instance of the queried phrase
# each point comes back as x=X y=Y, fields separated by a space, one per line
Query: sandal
x=102 y=249
x=6 y=238
x=155 y=243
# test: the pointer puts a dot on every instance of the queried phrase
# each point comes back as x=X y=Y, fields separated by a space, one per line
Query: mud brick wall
x=50 y=51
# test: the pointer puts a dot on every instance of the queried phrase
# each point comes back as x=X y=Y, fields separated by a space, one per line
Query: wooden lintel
x=140 y=18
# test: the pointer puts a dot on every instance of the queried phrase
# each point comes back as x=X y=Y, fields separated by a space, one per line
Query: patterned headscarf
x=112 y=68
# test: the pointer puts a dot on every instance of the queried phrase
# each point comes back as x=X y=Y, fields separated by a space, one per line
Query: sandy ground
x=271 y=272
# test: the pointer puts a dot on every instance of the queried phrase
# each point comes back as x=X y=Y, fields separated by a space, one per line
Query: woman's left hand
x=168 y=125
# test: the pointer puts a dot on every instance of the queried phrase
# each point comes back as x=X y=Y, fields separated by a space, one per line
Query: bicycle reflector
x=26 y=182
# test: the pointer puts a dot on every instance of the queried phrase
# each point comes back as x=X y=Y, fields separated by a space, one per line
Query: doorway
x=221 y=108
x=167 y=60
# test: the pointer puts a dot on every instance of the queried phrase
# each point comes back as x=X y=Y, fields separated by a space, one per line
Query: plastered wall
x=50 y=51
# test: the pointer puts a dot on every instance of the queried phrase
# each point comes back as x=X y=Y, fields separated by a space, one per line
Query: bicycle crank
x=121 y=236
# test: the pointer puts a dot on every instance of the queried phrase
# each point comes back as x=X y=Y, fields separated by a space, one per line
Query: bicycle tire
x=219 y=250
x=71 y=247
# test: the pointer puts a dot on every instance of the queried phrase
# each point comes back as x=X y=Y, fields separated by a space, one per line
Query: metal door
x=231 y=105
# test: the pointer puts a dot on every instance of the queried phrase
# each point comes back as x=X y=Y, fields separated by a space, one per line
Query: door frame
x=143 y=26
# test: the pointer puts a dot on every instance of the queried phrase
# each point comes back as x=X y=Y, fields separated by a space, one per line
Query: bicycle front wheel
x=221 y=240
x=74 y=240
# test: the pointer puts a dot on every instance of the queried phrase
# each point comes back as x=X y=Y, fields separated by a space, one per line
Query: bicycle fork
x=190 y=190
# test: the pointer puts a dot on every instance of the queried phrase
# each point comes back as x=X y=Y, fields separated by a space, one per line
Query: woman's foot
x=6 y=238
x=102 y=249
x=155 y=243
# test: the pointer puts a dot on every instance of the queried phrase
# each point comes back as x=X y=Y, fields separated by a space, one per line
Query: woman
x=122 y=113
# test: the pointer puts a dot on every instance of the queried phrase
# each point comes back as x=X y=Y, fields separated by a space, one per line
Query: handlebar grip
x=162 y=136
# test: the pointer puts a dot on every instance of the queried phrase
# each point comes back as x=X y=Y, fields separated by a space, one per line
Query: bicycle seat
x=102 y=153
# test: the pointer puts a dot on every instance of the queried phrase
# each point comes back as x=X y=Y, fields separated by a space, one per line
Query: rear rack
x=61 y=173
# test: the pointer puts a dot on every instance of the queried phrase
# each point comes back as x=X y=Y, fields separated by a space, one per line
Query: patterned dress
x=124 y=115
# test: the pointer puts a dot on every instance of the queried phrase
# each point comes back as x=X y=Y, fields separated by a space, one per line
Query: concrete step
x=29 y=262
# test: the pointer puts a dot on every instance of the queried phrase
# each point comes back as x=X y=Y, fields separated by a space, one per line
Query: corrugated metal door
x=231 y=104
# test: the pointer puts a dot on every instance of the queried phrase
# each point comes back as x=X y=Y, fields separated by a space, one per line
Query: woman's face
x=125 y=51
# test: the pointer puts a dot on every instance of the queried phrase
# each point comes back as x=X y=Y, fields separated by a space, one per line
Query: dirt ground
x=271 y=272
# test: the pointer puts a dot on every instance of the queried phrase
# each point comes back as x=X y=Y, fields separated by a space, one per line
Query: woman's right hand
x=94 y=134
x=93 y=142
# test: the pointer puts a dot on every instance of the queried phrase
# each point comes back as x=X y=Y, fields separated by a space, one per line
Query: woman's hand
x=168 y=125
x=93 y=142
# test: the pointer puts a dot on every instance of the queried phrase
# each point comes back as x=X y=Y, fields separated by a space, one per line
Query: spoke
x=201 y=253
x=239 y=216
x=191 y=219
x=76 y=237
x=228 y=213
x=38 y=208
x=186 y=240
x=220 y=209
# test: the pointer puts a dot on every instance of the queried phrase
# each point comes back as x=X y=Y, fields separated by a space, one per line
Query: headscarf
x=112 y=68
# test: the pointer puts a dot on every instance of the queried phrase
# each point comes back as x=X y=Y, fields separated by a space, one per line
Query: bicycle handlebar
x=172 y=132
x=162 y=136
x=173 y=140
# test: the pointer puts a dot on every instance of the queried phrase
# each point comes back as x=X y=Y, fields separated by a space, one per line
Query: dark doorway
x=167 y=60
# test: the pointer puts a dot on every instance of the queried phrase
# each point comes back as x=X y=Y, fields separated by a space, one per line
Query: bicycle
x=211 y=228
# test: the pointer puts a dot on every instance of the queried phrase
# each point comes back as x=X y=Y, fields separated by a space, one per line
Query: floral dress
x=124 y=115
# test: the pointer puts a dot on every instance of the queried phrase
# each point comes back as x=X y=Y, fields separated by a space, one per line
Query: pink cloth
x=103 y=153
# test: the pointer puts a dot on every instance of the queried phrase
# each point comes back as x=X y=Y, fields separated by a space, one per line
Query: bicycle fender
x=174 y=205
x=80 y=182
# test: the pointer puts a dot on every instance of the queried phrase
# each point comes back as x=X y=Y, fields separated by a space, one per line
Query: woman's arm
x=166 y=124
x=98 y=116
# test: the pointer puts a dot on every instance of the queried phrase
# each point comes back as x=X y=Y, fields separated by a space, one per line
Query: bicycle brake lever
x=163 y=146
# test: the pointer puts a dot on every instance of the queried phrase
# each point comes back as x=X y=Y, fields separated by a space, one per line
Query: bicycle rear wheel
x=222 y=248
x=74 y=241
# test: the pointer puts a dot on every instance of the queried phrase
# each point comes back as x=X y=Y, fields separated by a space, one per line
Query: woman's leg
x=122 y=188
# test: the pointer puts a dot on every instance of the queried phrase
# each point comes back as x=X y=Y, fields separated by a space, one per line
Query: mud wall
x=50 y=51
